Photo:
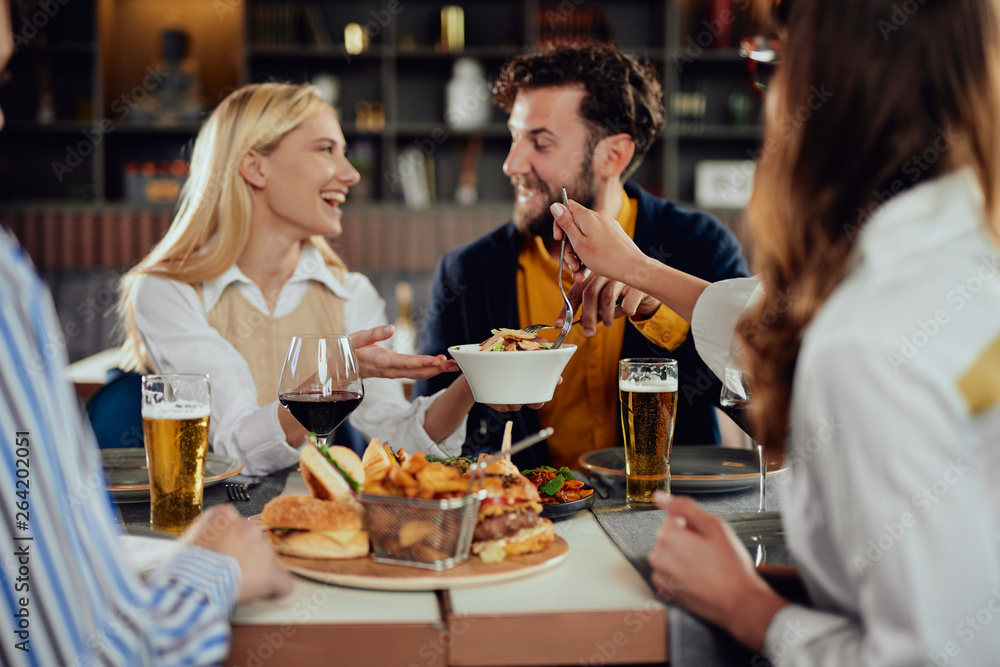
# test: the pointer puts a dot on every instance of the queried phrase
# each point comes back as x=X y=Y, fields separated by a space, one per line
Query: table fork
x=568 y=322
x=237 y=492
x=535 y=328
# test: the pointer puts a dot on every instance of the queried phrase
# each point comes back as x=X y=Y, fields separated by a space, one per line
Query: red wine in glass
x=734 y=401
x=318 y=413
x=320 y=382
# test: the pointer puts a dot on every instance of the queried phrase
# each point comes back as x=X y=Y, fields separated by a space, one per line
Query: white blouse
x=174 y=327
x=892 y=505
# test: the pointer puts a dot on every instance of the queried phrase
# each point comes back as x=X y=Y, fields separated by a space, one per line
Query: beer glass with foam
x=647 y=392
x=175 y=416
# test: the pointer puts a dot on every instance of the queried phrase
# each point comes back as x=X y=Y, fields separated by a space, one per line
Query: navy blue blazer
x=475 y=290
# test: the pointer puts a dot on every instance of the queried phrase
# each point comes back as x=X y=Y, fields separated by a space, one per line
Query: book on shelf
x=290 y=24
x=416 y=177
x=318 y=27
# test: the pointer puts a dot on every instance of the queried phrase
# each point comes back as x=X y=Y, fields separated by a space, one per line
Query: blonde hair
x=210 y=229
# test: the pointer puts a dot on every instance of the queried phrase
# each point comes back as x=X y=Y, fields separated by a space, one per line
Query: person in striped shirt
x=67 y=594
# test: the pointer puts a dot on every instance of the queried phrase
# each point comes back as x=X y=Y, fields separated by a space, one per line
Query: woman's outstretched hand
x=381 y=362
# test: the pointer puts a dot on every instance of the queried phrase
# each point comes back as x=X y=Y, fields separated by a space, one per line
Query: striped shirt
x=69 y=598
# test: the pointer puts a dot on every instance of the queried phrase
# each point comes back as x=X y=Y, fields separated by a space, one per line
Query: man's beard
x=581 y=189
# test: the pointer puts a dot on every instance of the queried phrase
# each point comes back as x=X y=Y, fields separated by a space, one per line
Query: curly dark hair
x=623 y=94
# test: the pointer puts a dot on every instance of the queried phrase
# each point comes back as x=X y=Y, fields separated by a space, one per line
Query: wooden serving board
x=366 y=573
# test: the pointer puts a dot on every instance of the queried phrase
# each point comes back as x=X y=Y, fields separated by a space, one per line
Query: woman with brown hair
x=873 y=342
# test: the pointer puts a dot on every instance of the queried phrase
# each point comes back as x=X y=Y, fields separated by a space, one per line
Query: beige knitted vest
x=263 y=339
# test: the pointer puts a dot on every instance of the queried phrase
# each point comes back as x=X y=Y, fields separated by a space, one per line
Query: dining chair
x=115 y=411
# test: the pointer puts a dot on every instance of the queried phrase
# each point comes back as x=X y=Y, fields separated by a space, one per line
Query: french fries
x=419 y=531
x=413 y=531
x=418 y=478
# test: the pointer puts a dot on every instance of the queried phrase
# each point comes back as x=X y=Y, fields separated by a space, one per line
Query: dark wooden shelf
x=81 y=46
x=707 y=56
x=409 y=81
x=424 y=129
x=312 y=51
x=691 y=131
x=149 y=128
x=431 y=53
x=55 y=127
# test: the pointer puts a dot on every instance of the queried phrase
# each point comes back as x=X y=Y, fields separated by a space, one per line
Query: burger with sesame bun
x=508 y=523
x=307 y=527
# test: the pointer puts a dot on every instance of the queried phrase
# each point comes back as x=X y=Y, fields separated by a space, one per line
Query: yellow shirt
x=584 y=410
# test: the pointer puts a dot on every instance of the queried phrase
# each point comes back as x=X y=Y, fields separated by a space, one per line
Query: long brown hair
x=871 y=100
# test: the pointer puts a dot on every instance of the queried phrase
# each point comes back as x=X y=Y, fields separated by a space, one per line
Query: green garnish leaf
x=355 y=487
x=498 y=346
x=566 y=473
x=537 y=470
x=551 y=487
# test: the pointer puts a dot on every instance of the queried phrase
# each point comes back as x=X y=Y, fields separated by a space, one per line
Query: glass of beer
x=647 y=390
x=175 y=415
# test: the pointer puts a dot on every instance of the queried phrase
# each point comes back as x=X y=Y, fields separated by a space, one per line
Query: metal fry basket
x=432 y=534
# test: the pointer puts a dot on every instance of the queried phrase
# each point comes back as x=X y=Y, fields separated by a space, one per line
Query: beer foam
x=176 y=410
x=647 y=386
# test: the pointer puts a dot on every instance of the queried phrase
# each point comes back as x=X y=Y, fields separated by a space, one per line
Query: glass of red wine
x=735 y=400
x=320 y=382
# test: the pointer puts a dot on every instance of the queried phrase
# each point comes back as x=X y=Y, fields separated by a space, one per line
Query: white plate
x=128 y=478
x=697 y=469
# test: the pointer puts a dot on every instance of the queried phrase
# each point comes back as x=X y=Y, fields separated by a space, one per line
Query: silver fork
x=237 y=492
x=535 y=328
x=568 y=322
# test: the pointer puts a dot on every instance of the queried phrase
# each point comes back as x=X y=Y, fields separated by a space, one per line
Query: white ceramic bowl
x=512 y=378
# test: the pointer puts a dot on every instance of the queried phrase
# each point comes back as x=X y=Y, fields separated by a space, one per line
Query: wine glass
x=320 y=382
x=735 y=400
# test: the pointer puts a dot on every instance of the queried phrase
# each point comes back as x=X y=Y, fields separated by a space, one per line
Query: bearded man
x=581 y=118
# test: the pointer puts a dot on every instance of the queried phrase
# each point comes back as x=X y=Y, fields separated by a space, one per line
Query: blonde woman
x=245 y=265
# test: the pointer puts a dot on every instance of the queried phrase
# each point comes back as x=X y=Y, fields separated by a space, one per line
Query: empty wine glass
x=735 y=400
x=320 y=383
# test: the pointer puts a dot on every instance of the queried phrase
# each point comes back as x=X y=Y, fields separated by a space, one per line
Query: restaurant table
x=595 y=608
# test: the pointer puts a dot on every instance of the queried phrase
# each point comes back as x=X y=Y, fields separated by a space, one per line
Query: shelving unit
x=94 y=53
